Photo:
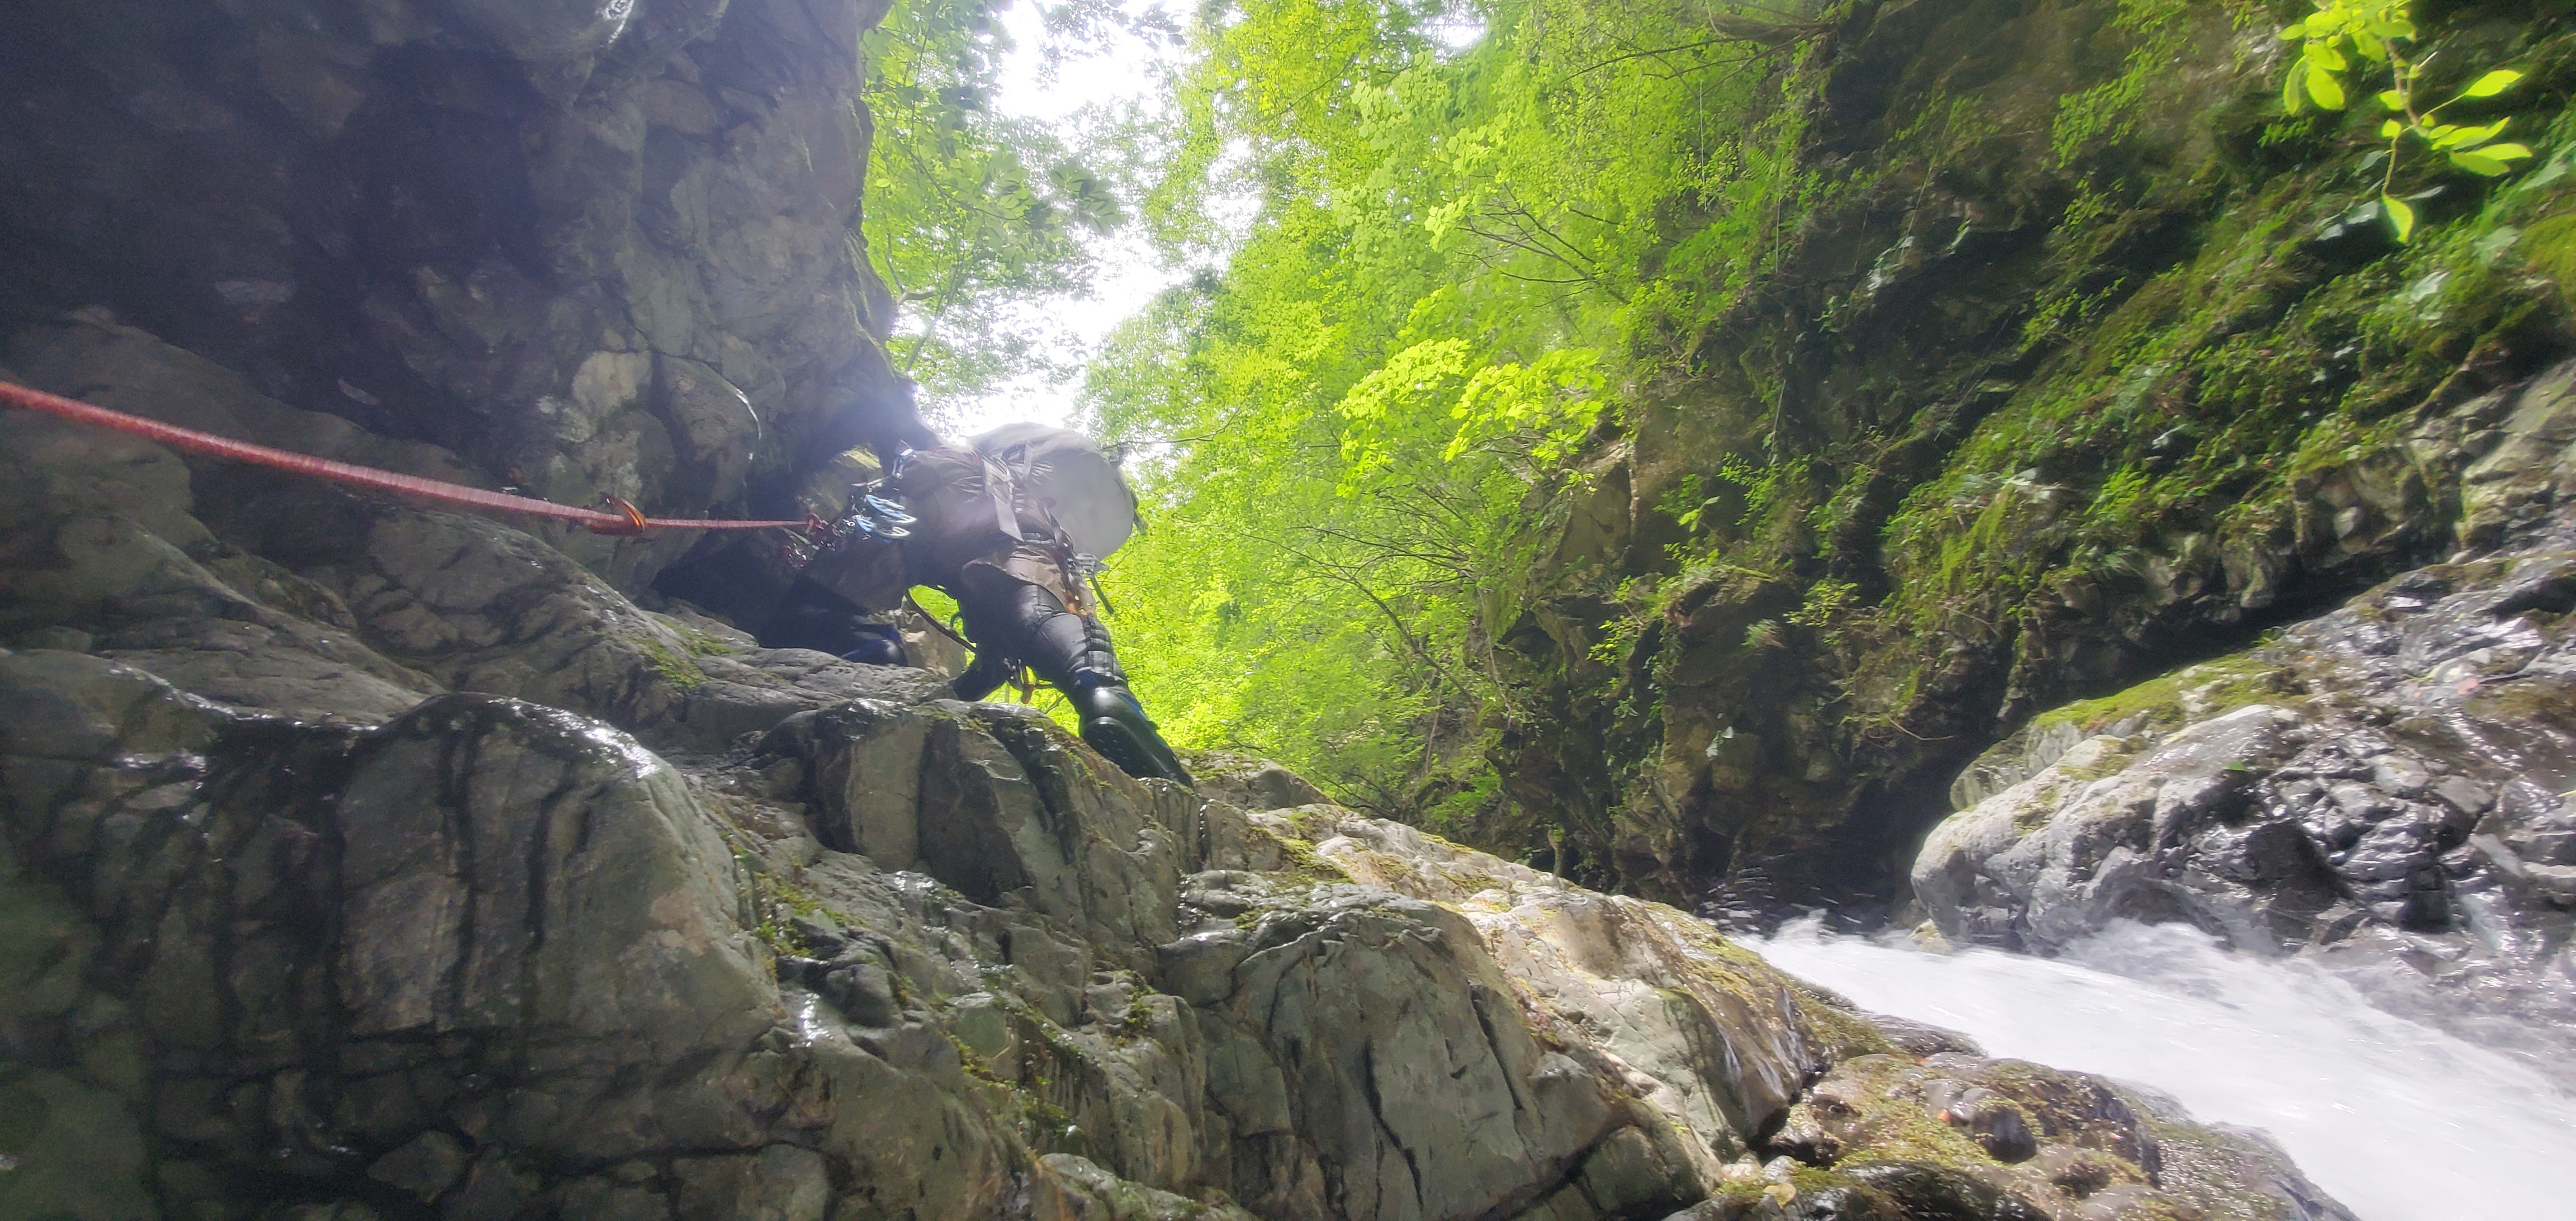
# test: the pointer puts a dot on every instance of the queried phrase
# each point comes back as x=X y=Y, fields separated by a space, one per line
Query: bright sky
x=1130 y=271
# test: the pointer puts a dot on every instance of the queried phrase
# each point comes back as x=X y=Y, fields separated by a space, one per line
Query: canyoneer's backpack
x=1029 y=483
x=1059 y=481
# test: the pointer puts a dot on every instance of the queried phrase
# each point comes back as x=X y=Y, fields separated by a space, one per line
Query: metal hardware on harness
x=860 y=523
x=875 y=516
x=1085 y=570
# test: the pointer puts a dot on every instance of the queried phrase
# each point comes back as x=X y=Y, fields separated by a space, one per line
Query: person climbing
x=1012 y=524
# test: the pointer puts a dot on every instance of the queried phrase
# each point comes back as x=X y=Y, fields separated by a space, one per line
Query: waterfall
x=2398 y=1121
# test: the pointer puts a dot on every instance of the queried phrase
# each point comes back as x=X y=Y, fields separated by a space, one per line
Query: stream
x=2398 y=1121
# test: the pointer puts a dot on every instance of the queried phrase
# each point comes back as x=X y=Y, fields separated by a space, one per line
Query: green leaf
x=2400 y=217
x=2324 y=55
x=2391 y=129
x=2392 y=99
x=2294 y=31
x=2327 y=91
x=2491 y=84
x=2479 y=164
x=2506 y=152
x=2293 y=96
x=2446 y=136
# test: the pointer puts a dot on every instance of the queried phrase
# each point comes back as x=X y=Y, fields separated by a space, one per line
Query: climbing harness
x=618 y=518
x=1086 y=570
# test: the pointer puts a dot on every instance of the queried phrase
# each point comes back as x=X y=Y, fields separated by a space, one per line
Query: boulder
x=490 y=957
x=2372 y=792
x=591 y=249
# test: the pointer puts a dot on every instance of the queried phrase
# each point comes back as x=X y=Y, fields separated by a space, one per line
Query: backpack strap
x=1003 y=490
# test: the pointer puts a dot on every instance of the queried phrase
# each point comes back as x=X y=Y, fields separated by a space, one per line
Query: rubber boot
x=1012 y=622
x=1116 y=726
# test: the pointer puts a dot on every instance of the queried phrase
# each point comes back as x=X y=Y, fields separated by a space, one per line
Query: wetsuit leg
x=1011 y=619
x=812 y=617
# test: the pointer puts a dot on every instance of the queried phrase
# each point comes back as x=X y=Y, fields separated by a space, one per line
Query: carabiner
x=887 y=511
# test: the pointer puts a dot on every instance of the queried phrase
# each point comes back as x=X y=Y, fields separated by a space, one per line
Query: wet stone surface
x=2383 y=790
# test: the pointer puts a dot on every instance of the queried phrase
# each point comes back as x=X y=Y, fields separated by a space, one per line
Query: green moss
x=1803 y=1180
x=794 y=898
x=700 y=644
x=782 y=939
x=675 y=669
x=2550 y=245
x=2178 y=357
x=1302 y=861
x=974 y=1062
x=1840 y=1033
x=778 y=902
x=2217 y=687
x=2202 y=1166
x=1311 y=822
x=1894 y=1127
x=1140 y=1014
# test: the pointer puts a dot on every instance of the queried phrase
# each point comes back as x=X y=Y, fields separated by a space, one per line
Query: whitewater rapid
x=2398 y=1121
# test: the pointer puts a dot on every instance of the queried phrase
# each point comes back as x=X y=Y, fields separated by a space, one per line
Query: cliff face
x=363 y=861
x=2078 y=363
x=402 y=953
x=590 y=248
x=2382 y=790
x=368 y=862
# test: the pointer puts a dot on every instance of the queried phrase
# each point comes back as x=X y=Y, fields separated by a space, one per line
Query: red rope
x=627 y=520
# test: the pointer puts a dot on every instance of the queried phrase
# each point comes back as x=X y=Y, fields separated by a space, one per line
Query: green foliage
x=1826 y=601
x=972 y=217
x=1544 y=364
x=2106 y=113
x=2170 y=423
x=2339 y=39
x=1459 y=257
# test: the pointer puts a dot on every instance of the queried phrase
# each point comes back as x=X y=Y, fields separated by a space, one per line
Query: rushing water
x=2398 y=1121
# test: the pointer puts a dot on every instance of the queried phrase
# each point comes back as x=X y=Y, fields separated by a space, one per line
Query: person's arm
x=888 y=424
x=902 y=429
x=898 y=426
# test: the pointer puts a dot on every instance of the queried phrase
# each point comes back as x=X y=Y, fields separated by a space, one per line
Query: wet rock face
x=347 y=873
x=1956 y=1135
x=491 y=959
x=366 y=862
x=1908 y=493
x=286 y=596
x=593 y=248
x=2388 y=800
x=1251 y=784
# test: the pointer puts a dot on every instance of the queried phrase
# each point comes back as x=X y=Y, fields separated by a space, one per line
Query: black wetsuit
x=1021 y=606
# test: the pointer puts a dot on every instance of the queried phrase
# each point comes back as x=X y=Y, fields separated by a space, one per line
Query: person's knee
x=878 y=645
x=814 y=618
